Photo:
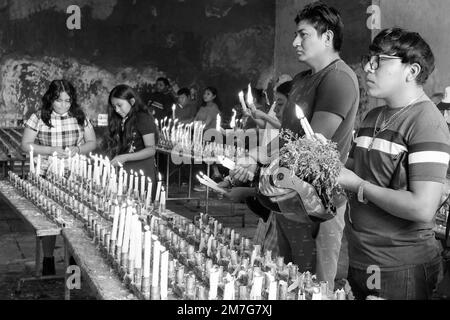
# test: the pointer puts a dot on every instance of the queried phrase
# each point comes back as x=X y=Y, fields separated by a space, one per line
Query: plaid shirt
x=266 y=234
x=65 y=131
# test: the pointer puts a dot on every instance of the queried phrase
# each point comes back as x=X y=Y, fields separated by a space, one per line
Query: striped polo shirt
x=414 y=147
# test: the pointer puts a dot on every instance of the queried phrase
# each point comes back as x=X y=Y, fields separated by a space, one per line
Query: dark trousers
x=414 y=283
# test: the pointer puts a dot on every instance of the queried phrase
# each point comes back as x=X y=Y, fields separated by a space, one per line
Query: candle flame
x=241 y=95
x=299 y=112
x=141 y=172
x=159 y=176
x=31 y=147
x=149 y=180
x=136 y=174
x=173 y=107
x=120 y=164
x=55 y=154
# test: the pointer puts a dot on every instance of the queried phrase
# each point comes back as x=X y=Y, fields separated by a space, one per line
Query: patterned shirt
x=415 y=147
x=65 y=130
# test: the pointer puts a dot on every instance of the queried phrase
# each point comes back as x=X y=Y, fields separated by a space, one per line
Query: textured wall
x=222 y=43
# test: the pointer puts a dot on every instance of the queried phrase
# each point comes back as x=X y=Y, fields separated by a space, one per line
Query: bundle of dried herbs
x=314 y=162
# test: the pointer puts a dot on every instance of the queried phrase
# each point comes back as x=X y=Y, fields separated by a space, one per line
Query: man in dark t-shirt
x=328 y=94
x=161 y=101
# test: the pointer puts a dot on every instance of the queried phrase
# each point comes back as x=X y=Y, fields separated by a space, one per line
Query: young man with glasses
x=396 y=170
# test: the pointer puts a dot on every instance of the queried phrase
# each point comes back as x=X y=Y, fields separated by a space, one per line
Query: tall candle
x=136 y=182
x=121 y=226
x=125 y=180
x=158 y=188
x=218 y=120
x=130 y=185
x=132 y=246
x=31 y=159
x=164 y=273
x=138 y=253
x=149 y=193
x=241 y=100
x=127 y=229
x=38 y=165
x=89 y=172
x=147 y=251
x=162 y=201
x=173 y=111
x=115 y=222
x=142 y=184
x=213 y=283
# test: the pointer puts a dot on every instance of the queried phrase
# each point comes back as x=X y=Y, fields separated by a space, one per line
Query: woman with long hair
x=59 y=125
x=210 y=108
x=133 y=134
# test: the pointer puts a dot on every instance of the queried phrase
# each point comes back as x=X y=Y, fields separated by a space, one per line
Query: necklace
x=386 y=123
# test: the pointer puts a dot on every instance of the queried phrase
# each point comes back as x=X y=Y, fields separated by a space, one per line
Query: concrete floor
x=17 y=248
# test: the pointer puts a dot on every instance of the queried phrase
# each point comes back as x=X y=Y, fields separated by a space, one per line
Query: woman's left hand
x=349 y=180
x=122 y=158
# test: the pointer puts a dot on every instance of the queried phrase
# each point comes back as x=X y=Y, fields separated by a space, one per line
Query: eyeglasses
x=374 y=60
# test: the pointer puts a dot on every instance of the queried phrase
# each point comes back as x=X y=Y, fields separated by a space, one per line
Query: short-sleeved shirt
x=64 y=132
x=208 y=112
x=415 y=147
x=145 y=124
x=333 y=89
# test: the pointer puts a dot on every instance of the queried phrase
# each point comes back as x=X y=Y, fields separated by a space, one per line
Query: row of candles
x=159 y=255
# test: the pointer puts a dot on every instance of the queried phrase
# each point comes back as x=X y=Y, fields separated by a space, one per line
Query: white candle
x=304 y=122
x=127 y=229
x=130 y=185
x=162 y=200
x=125 y=180
x=38 y=165
x=164 y=273
x=218 y=124
x=156 y=259
x=138 y=253
x=233 y=119
x=250 y=100
x=273 y=286
x=115 y=222
x=213 y=283
x=173 y=111
x=89 y=172
x=148 y=201
x=158 y=188
x=147 y=251
x=121 y=225
x=31 y=159
x=132 y=246
x=242 y=101
x=142 y=184
x=136 y=182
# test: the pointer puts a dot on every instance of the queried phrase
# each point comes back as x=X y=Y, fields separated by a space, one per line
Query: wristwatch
x=361 y=193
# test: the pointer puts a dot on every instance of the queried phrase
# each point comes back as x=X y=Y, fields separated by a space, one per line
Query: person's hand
x=122 y=158
x=243 y=172
x=258 y=114
x=60 y=152
x=349 y=180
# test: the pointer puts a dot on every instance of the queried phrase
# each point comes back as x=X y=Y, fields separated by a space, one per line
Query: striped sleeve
x=33 y=122
x=428 y=147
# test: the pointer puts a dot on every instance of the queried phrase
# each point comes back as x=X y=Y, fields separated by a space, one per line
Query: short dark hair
x=284 y=88
x=323 y=18
x=164 y=80
x=410 y=46
x=184 y=91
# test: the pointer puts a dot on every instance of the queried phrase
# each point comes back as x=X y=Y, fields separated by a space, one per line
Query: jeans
x=414 y=283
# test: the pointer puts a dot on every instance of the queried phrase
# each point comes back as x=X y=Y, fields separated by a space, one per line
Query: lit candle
x=136 y=182
x=213 y=283
x=218 y=120
x=158 y=187
x=130 y=185
x=125 y=180
x=148 y=201
x=241 y=100
x=233 y=120
x=164 y=273
x=173 y=111
x=304 y=122
x=162 y=201
x=147 y=251
x=89 y=170
x=250 y=100
x=115 y=222
x=31 y=159
x=127 y=229
x=142 y=184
